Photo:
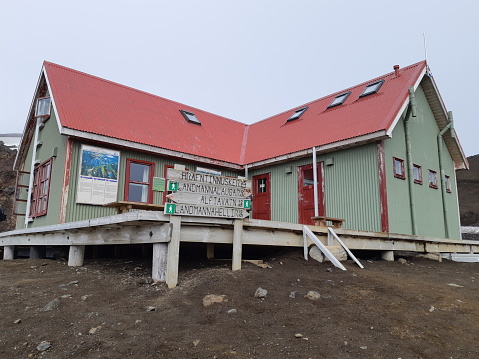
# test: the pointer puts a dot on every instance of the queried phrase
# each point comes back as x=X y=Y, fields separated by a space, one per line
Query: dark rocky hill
x=7 y=187
x=468 y=190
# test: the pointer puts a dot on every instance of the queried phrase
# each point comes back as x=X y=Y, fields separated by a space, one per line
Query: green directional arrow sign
x=173 y=186
x=170 y=208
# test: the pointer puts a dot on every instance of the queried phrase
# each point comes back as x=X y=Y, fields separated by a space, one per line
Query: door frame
x=268 y=193
x=321 y=201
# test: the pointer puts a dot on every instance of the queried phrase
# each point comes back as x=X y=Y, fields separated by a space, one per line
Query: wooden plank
x=345 y=248
x=180 y=209
x=209 y=200
x=237 y=244
x=173 y=253
x=160 y=255
x=174 y=174
x=323 y=248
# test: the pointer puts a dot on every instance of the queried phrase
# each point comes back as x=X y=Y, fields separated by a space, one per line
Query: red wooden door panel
x=262 y=196
x=306 y=193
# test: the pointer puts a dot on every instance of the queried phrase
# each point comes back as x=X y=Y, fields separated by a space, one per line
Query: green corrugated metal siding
x=428 y=201
x=51 y=138
x=351 y=188
x=76 y=212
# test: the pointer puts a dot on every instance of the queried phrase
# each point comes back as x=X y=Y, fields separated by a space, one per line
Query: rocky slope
x=7 y=187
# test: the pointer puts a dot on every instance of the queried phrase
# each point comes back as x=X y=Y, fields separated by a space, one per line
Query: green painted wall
x=427 y=201
x=51 y=138
x=350 y=185
x=76 y=212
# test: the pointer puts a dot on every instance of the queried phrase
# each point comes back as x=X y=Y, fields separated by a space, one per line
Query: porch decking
x=168 y=231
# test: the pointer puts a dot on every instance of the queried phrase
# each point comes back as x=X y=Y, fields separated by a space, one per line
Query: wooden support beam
x=37 y=252
x=76 y=256
x=237 y=244
x=173 y=253
x=210 y=250
x=8 y=253
x=160 y=255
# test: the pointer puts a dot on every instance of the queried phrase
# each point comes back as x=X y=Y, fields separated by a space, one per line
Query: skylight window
x=190 y=117
x=372 y=88
x=339 y=100
x=297 y=114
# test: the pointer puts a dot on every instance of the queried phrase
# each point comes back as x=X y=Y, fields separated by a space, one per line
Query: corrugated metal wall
x=351 y=187
x=76 y=212
x=427 y=201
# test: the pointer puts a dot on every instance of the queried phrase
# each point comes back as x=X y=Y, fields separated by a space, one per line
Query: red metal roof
x=319 y=125
x=91 y=104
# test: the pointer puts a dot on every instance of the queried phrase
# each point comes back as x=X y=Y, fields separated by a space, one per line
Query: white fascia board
x=147 y=148
x=15 y=163
x=406 y=103
x=371 y=137
x=57 y=117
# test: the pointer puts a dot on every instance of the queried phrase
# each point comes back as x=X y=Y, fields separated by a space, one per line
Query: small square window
x=339 y=100
x=433 y=179
x=297 y=114
x=43 y=107
x=399 y=168
x=372 y=88
x=417 y=173
x=448 y=184
x=190 y=117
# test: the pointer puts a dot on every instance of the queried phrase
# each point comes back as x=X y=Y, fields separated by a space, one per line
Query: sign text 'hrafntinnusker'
x=206 y=195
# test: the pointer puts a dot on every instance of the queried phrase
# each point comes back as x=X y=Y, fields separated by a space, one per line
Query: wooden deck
x=163 y=231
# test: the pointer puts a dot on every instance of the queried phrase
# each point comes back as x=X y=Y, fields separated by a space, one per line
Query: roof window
x=297 y=114
x=339 y=100
x=372 y=88
x=190 y=117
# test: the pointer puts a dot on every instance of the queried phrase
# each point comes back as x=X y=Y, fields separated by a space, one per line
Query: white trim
x=59 y=124
x=142 y=147
x=405 y=104
x=371 y=137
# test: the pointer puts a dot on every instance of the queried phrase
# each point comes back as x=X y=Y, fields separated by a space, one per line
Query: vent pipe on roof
x=396 y=70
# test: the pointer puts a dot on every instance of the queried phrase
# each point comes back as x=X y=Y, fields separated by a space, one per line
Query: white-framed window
x=432 y=179
x=399 y=171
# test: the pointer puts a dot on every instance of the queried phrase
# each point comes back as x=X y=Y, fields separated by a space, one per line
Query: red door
x=262 y=196
x=306 y=193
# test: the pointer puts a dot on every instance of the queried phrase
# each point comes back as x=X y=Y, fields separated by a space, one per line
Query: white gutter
x=315 y=183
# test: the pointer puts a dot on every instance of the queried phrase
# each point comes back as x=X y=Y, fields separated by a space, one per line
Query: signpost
x=206 y=195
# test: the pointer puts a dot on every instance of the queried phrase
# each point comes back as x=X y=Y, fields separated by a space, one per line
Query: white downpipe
x=315 y=181
x=246 y=172
x=32 y=169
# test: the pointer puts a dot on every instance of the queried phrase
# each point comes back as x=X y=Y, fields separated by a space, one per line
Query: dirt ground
x=110 y=309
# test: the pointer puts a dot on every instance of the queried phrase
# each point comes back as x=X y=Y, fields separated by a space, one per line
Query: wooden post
x=8 y=253
x=76 y=256
x=160 y=255
x=237 y=244
x=210 y=250
x=388 y=256
x=37 y=252
x=173 y=253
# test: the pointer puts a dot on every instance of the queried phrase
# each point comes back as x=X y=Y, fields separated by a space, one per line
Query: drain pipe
x=411 y=112
x=315 y=182
x=450 y=126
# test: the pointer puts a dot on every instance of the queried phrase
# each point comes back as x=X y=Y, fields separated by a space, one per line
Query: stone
x=455 y=285
x=212 y=299
x=232 y=311
x=196 y=342
x=402 y=260
x=54 y=304
x=329 y=269
x=260 y=293
x=94 y=330
x=85 y=297
x=316 y=254
x=298 y=335
x=68 y=284
x=44 y=346
x=150 y=309
x=364 y=347
x=18 y=321
x=66 y=296
x=432 y=308
x=338 y=252
x=312 y=295
x=292 y=294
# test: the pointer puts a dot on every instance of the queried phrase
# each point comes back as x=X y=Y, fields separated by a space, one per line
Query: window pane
x=308 y=179
x=139 y=172
x=43 y=107
x=397 y=167
x=137 y=192
x=262 y=185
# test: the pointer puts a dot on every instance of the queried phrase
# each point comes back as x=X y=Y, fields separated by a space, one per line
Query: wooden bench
x=125 y=206
x=321 y=221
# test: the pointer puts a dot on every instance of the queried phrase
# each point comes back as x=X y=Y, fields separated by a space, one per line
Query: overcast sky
x=245 y=60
